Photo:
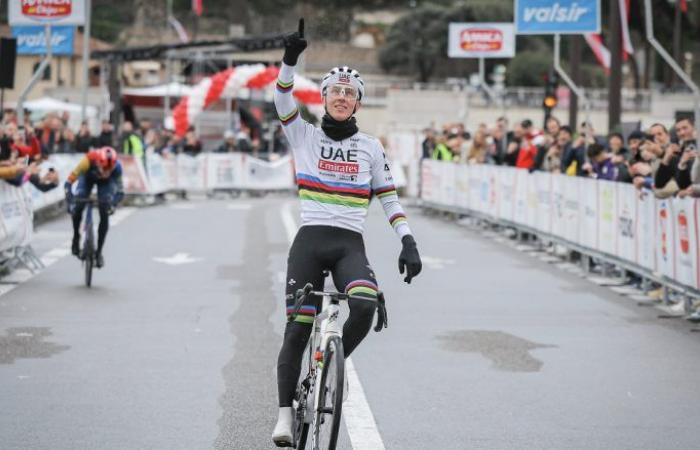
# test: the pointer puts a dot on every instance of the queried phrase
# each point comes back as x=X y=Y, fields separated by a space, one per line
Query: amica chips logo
x=47 y=9
x=481 y=40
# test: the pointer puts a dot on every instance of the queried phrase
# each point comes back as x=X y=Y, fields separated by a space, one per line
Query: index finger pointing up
x=301 y=27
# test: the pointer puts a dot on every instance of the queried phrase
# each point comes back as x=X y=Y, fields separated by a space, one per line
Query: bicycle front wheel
x=327 y=417
x=302 y=417
x=89 y=259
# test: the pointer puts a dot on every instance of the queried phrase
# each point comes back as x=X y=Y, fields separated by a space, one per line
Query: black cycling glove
x=409 y=259
x=294 y=45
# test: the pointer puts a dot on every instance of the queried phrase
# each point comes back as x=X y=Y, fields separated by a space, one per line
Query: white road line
x=357 y=415
x=49 y=258
x=359 y=419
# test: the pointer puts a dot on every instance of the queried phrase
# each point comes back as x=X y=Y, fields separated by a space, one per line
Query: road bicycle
x=88 y=254
x=318 y=401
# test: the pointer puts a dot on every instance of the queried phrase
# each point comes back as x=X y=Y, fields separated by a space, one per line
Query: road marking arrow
x=177 y=259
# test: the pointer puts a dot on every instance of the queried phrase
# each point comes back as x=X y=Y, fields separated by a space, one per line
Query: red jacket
x=31 y=149
x=526 y=156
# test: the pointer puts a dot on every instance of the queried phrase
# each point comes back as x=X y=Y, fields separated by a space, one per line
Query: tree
x=417 y=43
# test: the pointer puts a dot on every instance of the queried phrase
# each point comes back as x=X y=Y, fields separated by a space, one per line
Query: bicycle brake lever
x=300 y=296
x=382 y=319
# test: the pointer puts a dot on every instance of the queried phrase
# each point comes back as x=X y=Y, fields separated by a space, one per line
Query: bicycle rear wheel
x=326 y=424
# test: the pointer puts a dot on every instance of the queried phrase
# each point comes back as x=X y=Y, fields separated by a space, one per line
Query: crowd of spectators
x=664 y=160
x=23 y=149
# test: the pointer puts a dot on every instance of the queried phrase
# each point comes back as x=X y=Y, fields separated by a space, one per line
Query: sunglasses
x=340 y=90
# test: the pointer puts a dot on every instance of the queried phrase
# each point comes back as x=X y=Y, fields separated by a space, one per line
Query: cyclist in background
x=98 y=167
x=338 y=170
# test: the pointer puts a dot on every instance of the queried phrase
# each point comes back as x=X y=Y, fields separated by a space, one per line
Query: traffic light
x=550 y=93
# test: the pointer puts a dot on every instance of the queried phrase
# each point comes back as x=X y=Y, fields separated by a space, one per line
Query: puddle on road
x=505 y=351
x=27 y=342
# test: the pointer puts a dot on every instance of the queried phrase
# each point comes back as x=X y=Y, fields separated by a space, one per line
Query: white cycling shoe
x=282 y=435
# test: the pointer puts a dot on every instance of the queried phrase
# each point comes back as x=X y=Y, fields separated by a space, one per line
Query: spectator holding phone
x=687 y=141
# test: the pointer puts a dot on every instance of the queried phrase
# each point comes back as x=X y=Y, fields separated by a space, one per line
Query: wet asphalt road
x=488 y=349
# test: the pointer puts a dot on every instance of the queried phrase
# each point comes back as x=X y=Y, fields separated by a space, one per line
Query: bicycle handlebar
x=302 y=294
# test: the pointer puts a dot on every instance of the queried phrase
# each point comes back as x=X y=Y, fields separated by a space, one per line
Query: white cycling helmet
x=343 y=75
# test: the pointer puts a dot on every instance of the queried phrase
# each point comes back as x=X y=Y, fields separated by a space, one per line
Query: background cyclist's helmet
x=343 y=75
x=106 y=158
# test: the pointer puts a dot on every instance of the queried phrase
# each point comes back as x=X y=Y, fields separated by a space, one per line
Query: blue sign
x=557 y=16
x=31 y=40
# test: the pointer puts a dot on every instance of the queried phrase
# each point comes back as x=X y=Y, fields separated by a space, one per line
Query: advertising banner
x=490 y=191
x=506 y=191
x=192 y=172
x=685 y=240
x=427 y=174
x=572 y=206
x=134 y=175
x=520 y=197
x=481 y=40
x=157 y=178
x=543 y=219
x=588 y=212
x=558 y=204
x=664 y=238
x=607 y=217
x=31 y=40
x=532 y=203
x=224 y=171
x=462 y=187
x=626 y=219
x=40 y=12
x=645 y=241
x=447 y=182
x=476 y=173
x=557 y=17
x=268 y=175
x=16 y=217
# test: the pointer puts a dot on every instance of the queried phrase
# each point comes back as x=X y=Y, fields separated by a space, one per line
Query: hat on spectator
x=636 y=134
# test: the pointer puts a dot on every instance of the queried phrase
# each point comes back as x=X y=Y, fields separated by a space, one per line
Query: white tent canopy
x=45 y=105
x=162 y=90
x=50 y=104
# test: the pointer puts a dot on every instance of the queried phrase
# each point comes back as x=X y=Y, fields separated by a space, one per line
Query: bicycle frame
x=325 y=325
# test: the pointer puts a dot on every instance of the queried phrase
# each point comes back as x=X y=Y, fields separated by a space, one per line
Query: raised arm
x=287 y=110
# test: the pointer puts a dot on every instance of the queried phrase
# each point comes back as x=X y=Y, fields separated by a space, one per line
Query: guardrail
x=655 y=238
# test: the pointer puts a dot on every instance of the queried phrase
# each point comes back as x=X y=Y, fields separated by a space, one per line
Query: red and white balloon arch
x=228 y=83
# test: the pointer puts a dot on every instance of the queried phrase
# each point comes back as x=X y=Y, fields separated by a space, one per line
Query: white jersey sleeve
x=295 y=128
x=383 y=188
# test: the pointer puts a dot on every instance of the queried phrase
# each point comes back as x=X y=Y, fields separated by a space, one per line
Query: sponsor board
x=53 y=12
x=481 y=40
x=557 y=17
